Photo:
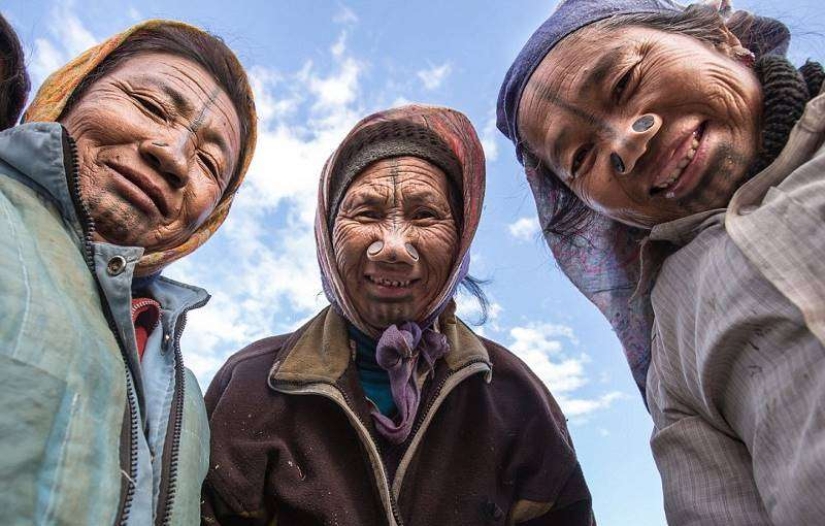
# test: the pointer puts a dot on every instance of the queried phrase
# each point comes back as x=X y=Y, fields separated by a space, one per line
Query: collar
x=320 y=351
x=36 y=152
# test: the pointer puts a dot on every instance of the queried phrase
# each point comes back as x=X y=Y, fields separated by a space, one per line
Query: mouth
x=140 y=189
x=682 y=168
x=390 y=283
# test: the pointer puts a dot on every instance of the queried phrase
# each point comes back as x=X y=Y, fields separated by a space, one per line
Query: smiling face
x=158 y=141
x=653 y=127
x=395 y=240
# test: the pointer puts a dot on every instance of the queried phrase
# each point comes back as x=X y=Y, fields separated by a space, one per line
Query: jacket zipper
x=372 y=444
x=424 y=417
x=87 y=232
x=168 y=487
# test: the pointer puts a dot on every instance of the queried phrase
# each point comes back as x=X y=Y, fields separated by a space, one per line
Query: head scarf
x=456 y=149
x=603 y=262
x=57 y=90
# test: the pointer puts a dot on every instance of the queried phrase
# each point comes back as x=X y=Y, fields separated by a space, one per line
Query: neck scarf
x=400 y=348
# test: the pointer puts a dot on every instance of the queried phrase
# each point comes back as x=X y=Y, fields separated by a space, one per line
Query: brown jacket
x=293 y=442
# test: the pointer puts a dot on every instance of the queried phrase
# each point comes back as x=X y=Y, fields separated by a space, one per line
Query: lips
x=683 y=156
x=386 y=282
x=141 y=184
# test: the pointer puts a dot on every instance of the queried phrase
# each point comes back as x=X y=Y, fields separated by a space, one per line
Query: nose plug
x=377 y=246
x=641 y=125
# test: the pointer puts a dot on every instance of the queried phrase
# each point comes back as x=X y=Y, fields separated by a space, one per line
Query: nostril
x=618 y=163
x=643 y=123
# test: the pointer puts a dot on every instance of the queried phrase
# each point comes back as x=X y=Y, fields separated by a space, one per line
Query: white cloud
x=544 y=348
x=525 y=228
x=345 y=16
x=263 y=261
x=69 y=38
x=489 y=139
x=433 y=78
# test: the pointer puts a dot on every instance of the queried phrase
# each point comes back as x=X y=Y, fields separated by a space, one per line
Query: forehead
x=403 y=175
x=185 y=83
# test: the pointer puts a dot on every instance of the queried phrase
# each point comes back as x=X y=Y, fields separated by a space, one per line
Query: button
x=116 y=265
x=745 y=210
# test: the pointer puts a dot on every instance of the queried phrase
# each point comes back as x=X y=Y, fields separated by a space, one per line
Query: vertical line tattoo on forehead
x=198 y=122
x=394 y=176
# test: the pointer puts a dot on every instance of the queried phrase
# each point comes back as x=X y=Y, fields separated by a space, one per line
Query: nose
x=169 y=156
x=393 y=247
x=633 y=141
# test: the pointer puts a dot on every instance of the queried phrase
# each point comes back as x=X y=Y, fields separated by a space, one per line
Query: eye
x=367 y=215
x=210 y=165
x=578 y=159
x=152 y=107
x=423 y=214
x=621 y=86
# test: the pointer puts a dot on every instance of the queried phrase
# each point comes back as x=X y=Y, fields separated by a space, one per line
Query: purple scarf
x=398 y=352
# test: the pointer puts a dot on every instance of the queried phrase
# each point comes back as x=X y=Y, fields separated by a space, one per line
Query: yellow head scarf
x=58 y=88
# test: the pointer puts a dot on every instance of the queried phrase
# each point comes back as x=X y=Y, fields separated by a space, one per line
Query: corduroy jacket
x=293 y=442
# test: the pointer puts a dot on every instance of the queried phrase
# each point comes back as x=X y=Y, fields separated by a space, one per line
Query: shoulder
x=245 y=373
x=515 y=385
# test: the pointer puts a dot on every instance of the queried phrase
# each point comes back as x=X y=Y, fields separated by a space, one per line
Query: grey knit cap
x=386 y=140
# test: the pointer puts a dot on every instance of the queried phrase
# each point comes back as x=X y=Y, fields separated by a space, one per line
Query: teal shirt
x=374 y=379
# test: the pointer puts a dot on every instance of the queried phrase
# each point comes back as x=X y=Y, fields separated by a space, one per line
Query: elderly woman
x=638 y=119
x=385 y=408
x=130 y=159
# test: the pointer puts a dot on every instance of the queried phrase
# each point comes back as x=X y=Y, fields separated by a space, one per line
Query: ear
x=732 y=47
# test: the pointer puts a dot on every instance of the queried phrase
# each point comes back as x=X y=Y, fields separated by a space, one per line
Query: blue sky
x=317 y=67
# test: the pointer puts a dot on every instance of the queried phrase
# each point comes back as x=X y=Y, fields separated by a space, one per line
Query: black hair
x=14 y=79
x=472 y=286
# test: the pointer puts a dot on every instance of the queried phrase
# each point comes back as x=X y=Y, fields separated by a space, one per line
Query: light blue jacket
x=88 y=434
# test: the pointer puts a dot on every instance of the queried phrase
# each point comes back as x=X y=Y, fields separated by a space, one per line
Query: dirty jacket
x=294 y=443
x=76 y=444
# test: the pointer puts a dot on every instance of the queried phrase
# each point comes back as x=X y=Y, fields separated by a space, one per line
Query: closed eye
x=152 y=107
x=579 y=158
x=621 y=86
x=209 y=164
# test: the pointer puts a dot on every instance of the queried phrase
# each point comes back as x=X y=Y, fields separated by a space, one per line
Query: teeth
x=389 y=283
x=679 y=168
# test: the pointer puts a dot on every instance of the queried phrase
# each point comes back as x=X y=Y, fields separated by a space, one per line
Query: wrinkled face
x=651 y=127
x=395 y=239
x=158 y=141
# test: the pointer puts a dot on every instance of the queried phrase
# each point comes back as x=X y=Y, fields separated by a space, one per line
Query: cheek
x=438 y=246
x=349 y=244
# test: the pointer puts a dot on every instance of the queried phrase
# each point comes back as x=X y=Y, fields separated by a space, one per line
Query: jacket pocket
x=35 y=412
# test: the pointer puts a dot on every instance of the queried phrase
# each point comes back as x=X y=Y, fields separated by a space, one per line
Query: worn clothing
x=737 y=381
x=87 y=434
x=375 y=381
x=293 y=441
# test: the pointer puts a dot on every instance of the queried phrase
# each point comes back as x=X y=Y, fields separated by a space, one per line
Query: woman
x=638 y=119
x=385 y=408
x=129 y=160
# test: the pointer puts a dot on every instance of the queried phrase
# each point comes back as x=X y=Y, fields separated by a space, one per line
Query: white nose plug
x=375 y=248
